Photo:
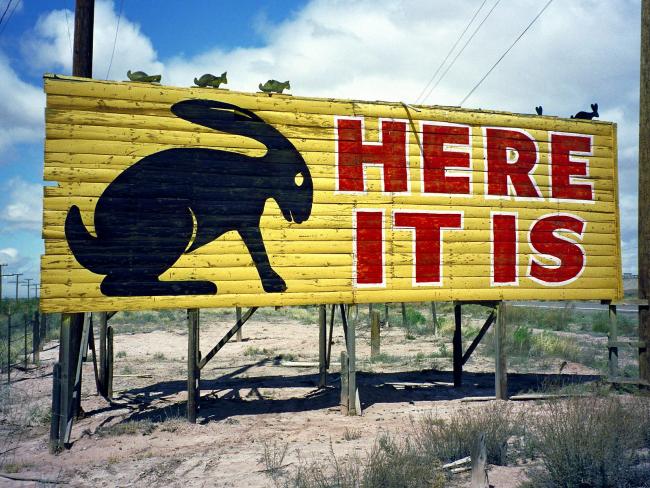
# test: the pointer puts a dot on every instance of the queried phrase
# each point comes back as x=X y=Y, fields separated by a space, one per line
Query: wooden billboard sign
x=189 y=198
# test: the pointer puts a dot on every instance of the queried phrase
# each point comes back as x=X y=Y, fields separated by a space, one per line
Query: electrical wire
x=117 y=28
x=506 y=52
x=462 y=49
x=67 y=24
x=417 y=100
x=10 y=15
x=5 y=12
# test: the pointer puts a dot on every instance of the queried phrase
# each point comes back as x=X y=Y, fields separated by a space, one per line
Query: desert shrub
x=390 y=463
x=544 y=318
x=595 y=442
x=453 y=438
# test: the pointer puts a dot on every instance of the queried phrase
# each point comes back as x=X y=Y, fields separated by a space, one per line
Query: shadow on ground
x=222 y=397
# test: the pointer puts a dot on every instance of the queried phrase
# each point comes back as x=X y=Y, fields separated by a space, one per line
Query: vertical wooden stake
x=55 y=418
x=479 y=463
x=386 y=314
x=404 y=324
x=352 y=368
x=501 y=363
x=434 y=317
x=193 y=390
x=344 y=383
x=109 y=362
x=613 y=339
x=36 y=339
x=322 y=346
x=644 y=194
x=102 y=319
x=238 y=319
x=375 y=339
x=458 y=346
x=65 y=386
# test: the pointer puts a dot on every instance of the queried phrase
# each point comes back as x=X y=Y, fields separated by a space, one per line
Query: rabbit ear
x=594 y=107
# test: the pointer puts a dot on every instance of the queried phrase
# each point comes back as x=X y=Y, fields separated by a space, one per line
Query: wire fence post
x=25 y=320
x=8 y=348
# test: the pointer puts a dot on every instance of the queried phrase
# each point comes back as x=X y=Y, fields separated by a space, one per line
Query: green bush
x=453 y=438
x=595 y=442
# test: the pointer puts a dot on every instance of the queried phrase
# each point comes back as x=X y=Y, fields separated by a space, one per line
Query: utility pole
x=644 y=194
x=17 y=275
x=65 y=404
x=28 y=280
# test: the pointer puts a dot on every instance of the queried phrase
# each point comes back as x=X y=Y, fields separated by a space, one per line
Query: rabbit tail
x=83 y=245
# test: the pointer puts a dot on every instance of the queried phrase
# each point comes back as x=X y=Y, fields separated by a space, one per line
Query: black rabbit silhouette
x=587 y=115
x=177 y=200
x=539 y=110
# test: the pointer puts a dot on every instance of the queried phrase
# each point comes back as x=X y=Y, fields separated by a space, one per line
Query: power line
x=5 y=12
x=462 y=49
x=417 y=100
x=117 y=28
x=67 y=24
x=506 y=52
x=10 y=15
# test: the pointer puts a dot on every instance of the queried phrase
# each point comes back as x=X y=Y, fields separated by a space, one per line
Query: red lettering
x=353 y=154
x=564 y=166
x=567 y=254
x=503 y=170
x=369 y=247
x=427 y=241
x=504 y=248
x=436 y=158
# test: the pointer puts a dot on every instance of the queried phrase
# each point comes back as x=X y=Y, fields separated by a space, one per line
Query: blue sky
x=580 y=51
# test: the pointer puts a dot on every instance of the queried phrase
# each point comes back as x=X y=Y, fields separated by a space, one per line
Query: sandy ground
x=250 y=399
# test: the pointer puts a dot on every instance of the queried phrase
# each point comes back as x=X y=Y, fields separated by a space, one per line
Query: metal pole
x=644 y=194
x=193 y=371
x=238 y=319
x=458 y=346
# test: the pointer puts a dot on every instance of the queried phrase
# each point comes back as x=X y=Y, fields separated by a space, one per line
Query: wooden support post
x=193 y=372
x=458 y=346
x=344 y=383
x=36 y=339
x=375 y=339
x=369 y=310
x=434 y=317
x=322 y=346
x=612 y=343
x=331 y=338
x=55 y=418
x=386 y=314
x=352 y=369
x=404 y=324
x=102 y=319
x=501 y=362
x=238 y=319
x=644 y=195
x=109 y=362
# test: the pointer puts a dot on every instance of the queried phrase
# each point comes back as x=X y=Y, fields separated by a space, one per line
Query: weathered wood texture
x=97 y=130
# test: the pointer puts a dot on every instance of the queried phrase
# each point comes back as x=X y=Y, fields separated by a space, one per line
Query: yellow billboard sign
x=197 y=197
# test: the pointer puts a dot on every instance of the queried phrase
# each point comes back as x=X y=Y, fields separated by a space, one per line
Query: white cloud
x=21 y=108
x=51 y=48
x=25 y=208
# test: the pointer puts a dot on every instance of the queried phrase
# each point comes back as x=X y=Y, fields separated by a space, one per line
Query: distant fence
x=23 y=332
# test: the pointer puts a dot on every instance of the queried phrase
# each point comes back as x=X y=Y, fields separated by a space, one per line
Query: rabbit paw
x=274 y=284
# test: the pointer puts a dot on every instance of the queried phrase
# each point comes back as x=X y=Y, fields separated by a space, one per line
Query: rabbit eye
x=299 y=179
